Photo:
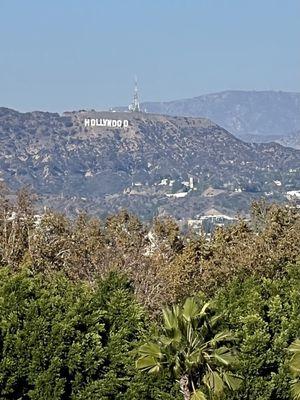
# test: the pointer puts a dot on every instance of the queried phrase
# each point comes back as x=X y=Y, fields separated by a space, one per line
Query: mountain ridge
x=257 y=115
x=105 y=169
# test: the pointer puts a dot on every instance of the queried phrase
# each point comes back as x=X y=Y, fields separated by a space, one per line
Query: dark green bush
x=265 y=315
x=61 y=340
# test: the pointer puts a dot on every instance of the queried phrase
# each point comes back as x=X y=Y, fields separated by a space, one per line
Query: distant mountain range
x=292 y=140
x=181 y=166
x=259 y=116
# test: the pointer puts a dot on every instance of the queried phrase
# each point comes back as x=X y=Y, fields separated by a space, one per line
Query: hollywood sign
x=111 y=123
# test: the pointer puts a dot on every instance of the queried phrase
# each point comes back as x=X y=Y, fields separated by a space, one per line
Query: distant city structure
x=135 y=105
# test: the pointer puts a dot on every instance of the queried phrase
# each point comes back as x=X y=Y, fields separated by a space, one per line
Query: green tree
x=189 y=346
x=264 y=314
x=61 y=340
x=295 y=369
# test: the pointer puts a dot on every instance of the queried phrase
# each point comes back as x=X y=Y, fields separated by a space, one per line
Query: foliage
x=295 y=369
x=264 y=314
x=74 y=298
x=192 y=349
x=260 y=247
x=61 y=341
x=155 y=255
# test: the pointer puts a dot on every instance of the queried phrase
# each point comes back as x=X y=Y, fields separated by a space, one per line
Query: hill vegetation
x=141 y=167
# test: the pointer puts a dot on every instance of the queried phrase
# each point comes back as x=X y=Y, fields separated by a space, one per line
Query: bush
x=61 y=340
x=264 y=313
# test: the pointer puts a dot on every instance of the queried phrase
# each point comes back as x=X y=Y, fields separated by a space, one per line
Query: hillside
x=142 y=167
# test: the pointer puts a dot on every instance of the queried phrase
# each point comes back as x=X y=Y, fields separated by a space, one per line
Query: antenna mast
x=135 y=105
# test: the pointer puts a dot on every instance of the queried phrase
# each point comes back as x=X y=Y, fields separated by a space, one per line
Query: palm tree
x=189 y=348
x=295 y=369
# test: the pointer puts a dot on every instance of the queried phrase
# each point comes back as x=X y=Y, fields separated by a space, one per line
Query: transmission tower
x=135 y=105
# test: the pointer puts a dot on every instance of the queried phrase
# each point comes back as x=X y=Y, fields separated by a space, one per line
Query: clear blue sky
x=68 y=54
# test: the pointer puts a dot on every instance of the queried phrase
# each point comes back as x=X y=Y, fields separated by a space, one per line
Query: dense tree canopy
x=61 y=340
x=78 y=298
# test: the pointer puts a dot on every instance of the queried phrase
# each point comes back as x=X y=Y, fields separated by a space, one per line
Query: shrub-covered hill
x=138 y=167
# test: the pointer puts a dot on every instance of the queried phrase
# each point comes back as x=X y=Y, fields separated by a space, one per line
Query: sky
x=59 y=55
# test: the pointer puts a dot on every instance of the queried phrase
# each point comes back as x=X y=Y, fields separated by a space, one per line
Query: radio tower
x=135 y=105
